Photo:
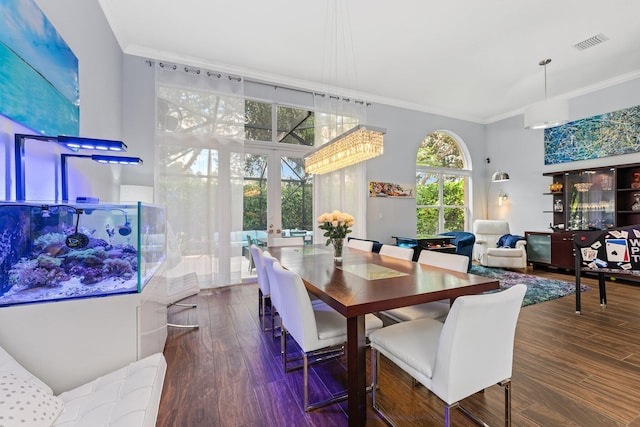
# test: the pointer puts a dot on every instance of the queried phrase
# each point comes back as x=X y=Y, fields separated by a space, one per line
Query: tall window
x=441 y=185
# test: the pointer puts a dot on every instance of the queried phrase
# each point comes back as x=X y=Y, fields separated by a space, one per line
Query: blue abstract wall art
x=610 y=134
x=39 y=72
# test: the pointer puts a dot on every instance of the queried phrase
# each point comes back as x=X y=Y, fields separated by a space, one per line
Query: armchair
x=486 y=250
x=464 y=242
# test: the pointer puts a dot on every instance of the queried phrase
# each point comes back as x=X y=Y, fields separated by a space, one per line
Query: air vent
x=591 y=42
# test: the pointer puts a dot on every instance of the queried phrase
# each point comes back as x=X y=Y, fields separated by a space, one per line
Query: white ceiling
x=470 y=59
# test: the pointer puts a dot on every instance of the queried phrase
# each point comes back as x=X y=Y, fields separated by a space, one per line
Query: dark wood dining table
x=367 y=282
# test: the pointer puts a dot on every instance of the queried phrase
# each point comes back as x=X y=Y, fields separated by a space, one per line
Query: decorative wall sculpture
x=609 y=134
x=39 y=72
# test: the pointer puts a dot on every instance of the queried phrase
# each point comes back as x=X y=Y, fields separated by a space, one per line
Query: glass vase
x=337 y=250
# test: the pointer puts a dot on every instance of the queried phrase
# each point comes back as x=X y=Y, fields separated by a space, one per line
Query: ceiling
x=469 y=59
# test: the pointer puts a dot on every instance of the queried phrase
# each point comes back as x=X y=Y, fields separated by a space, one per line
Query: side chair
x=397 y=252
x=264 y=289
x=437 y=310
x=274 y=290
x=178 y=289
x=471 y=351
x=287 y=241
x=363 y=245
x=319 y=331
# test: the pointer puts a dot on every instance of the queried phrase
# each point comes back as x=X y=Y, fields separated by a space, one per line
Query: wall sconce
x=73 y=143
x=502 y=197
x=497 y=176
x=112 y=160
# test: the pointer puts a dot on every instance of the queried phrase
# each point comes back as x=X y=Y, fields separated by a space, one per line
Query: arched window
x=441 y=185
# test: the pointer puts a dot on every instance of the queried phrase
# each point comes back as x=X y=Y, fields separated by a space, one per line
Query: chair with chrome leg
x=317 y=329
x=471 y=351
x=179 y=289
x=363 y=245
x=397 y=252
x=264 y=290
x=437 y=309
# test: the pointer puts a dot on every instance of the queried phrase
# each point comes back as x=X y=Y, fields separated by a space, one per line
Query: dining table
x=367 y=282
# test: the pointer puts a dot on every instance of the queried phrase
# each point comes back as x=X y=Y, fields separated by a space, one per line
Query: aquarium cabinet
x=583 y=200
x=81 y=287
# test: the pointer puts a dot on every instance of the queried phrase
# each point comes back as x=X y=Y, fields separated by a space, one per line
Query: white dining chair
x=176 y=291
x=397 y=252
x=471 y=351
x=317 y=329
x=264 y=289
x=437 y=309
x=363 y=245
x=287 y=241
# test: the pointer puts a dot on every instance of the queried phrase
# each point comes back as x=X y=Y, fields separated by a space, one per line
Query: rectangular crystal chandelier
x=354 y=146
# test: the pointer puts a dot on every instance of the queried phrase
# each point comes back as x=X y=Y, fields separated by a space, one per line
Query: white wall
x=406 y=129
x=83 y=26
x=520 y=152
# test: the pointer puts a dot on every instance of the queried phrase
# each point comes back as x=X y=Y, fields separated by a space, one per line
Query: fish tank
x=60 y=251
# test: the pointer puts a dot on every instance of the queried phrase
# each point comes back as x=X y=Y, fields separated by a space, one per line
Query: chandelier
x=354 y=146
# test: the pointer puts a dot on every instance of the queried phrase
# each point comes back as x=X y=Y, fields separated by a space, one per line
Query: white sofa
x=485 y=250
x=127 y=397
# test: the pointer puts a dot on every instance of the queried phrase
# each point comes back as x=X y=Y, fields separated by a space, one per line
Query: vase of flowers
x=336 y=226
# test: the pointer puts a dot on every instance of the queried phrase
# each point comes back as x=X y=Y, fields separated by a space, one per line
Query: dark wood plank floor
x=569 y=370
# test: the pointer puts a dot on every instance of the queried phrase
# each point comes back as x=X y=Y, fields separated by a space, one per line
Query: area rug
x=539 y=289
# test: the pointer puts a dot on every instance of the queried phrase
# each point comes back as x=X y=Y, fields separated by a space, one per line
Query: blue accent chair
x=464 y=242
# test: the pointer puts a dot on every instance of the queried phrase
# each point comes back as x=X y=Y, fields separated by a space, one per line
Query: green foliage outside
x=439 y=150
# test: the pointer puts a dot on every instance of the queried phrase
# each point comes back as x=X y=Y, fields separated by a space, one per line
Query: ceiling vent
x=591 y=42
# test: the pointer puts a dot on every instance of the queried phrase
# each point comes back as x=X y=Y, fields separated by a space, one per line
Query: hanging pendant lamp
x=548 y=113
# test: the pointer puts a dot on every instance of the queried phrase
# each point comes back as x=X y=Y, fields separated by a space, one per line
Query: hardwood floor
x=569 y=370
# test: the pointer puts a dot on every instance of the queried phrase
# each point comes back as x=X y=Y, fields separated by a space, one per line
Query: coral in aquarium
x=117 y=268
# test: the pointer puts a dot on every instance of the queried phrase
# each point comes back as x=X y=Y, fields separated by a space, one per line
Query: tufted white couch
x=127 y=397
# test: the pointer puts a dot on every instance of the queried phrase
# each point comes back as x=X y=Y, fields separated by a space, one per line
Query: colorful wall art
x=39 y=72
x=387 y=189
x=609 y=134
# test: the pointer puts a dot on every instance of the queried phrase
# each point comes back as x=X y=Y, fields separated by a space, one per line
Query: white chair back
x=274 y=287
x=287 y=241
x=475 y=349
x=454 y=262
x=296 y=310
x=397 y=252
x=258 y=261
x=363 y=245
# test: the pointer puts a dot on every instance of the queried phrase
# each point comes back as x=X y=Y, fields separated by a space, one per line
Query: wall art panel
x=609 y=134
x=39 y=72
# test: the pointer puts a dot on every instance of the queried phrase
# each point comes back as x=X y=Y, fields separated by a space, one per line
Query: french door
x=278 y=196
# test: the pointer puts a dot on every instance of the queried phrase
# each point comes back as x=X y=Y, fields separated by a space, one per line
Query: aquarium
x=53 y=251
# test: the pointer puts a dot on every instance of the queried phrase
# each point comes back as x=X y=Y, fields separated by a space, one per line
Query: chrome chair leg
x=185 y=305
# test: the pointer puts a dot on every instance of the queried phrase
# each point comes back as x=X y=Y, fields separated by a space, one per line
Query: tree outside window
x=441 y=185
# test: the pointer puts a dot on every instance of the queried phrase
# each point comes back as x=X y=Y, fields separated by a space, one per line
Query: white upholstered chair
x=485 y=250
x=287 y=241
x=434 y=310
x=178 y=289
x=363 y=245
x=264 y=290
x=274 y=289
x=316 y=328
x=397 y=252
x=471 y=351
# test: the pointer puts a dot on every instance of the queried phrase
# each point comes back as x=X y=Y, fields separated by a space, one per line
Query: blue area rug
x=539 y=289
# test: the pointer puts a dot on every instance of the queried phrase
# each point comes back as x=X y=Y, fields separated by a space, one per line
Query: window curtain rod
x=219 y=75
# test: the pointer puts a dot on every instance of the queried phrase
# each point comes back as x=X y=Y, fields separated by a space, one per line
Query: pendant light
x=548 y=113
